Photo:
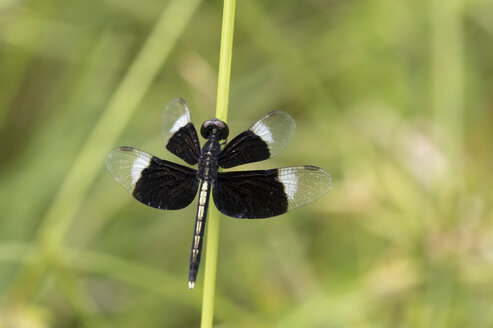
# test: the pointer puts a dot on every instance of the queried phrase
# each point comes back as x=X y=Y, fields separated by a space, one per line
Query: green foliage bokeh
x=393 y=98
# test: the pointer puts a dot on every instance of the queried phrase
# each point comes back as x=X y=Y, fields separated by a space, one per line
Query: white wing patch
x=180 y=122
x=126 y=165
x=263 y=131
x=289 y=179
x=140 y=163
x=304 y=184
x=175 y=116
x=276 y=129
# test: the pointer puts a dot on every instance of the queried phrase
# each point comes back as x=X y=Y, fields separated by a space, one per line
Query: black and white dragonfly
x=241 y=194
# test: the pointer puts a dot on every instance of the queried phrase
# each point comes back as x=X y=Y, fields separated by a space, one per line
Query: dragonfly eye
x=223 y=132
x=214 y=126
x=206 y=129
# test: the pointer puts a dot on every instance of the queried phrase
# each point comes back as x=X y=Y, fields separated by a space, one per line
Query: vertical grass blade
x=120 y=109
x=222 y=114
x=448 y=83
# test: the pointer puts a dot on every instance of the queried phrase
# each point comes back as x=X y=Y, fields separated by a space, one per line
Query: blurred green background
x=393 y=98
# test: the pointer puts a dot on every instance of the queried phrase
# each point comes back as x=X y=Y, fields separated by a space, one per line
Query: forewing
x=264 y=139
x=267 y=193
x=153 y=181
x=178 y=131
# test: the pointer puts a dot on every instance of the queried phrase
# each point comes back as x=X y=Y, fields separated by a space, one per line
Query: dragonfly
x=255 y=194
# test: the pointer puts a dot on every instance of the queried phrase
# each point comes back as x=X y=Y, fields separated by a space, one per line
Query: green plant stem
x=222 y=114
x=225 y=56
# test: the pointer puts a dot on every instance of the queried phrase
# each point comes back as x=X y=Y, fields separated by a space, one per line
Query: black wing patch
x=178 y=131
x=153 y=181
x=263 y=194
x=185 y=144
x=250 y=194
x=264 y=139
x=246 y=147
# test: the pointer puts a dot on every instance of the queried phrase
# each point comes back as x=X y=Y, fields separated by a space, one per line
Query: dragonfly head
x=216 y=127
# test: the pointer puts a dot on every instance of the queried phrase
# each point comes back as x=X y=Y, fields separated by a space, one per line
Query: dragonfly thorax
x=208 y=164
